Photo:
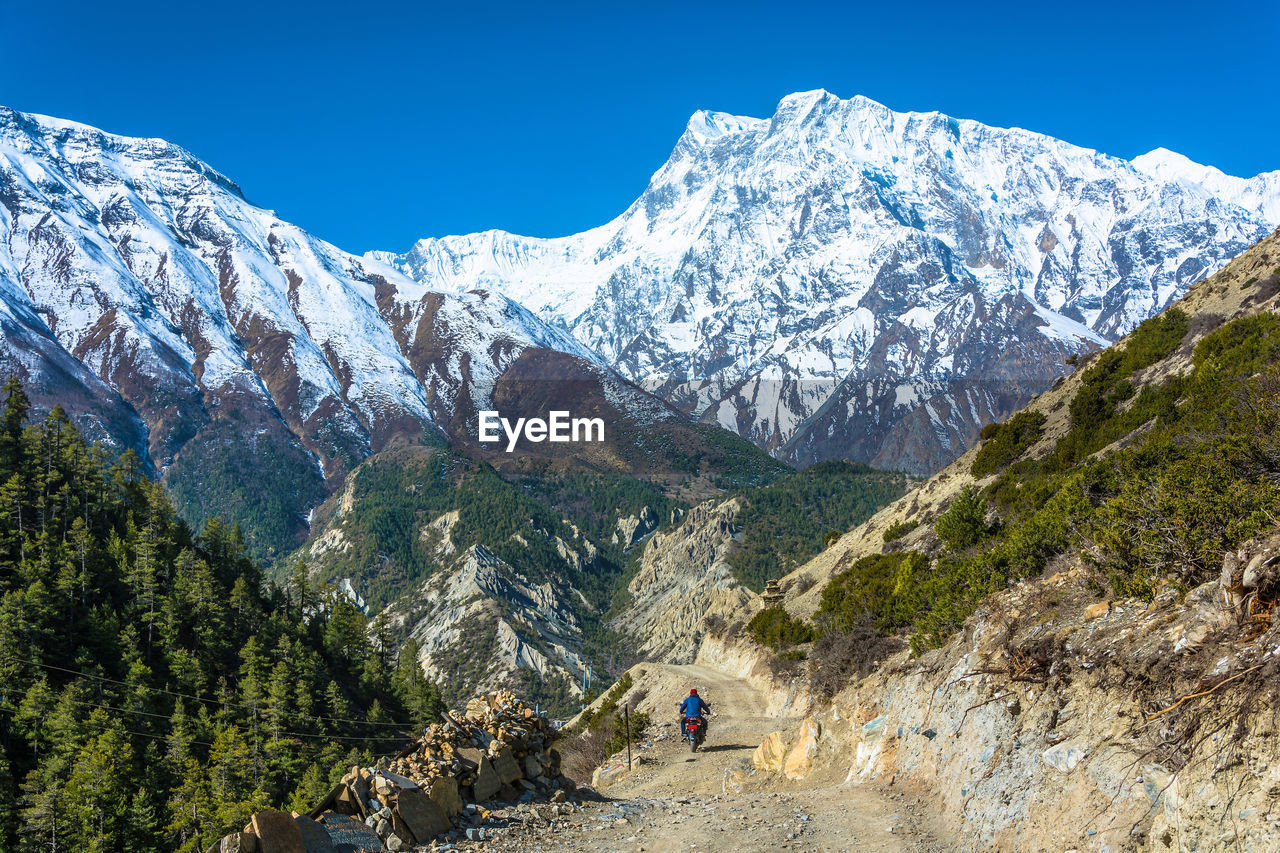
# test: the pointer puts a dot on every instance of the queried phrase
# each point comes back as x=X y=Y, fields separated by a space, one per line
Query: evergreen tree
x=153 y=692
x=97 y=791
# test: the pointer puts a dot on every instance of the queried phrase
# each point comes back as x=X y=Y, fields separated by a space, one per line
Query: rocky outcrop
x=1121 y=725
x=682 y=581
x=633 y=528
x=478 y=621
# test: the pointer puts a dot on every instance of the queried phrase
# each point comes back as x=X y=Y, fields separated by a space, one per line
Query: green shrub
x=896 y=531
x=778 y=629
x=880 y=586
x=1007 y=442
x=964 y=524
x=617 y=741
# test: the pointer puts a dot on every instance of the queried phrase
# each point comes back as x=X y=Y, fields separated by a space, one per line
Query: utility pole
x=626 y=721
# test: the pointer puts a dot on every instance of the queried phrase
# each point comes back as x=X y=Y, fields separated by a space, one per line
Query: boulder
x=612 y=770
x=315 y=839
x=421 y=815
x=487 y=781
x=277 y=832
x=504 y=763
x=1097 y=611
x=236 y=842
x=397 y=780
x=444 y=793
x=799 y=760
x=771 y=753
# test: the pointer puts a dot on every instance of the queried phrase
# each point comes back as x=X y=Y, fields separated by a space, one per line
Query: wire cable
x=241 y=705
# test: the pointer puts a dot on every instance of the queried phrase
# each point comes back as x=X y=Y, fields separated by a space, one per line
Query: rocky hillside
x=700 y=571
x=1088 y=598
x=535 y=578
x=504 y=576
x=845 y=281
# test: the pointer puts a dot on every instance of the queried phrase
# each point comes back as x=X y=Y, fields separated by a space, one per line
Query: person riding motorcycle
x=693 y=706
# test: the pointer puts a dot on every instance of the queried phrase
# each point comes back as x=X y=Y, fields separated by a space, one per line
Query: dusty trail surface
x=677 y=801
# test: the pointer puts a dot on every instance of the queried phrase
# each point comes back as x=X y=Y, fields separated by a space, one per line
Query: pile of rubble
x=499 y=749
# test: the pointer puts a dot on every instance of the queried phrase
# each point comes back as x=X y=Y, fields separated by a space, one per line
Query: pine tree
x=345 y=639
x=95 y=792
x=233 y=787
x=193 y=819
x=16 y=407
x=300 y=589
x=45 y=823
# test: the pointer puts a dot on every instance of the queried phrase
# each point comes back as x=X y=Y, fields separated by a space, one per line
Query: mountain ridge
x=842 y=253
x=251 y=364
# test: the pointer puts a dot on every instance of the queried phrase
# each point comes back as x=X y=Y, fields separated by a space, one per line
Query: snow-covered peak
x=140 y=288
x=1261 y=192
x=791 y=276
x=1171 y=166
x=704 y=126
x=138 y=158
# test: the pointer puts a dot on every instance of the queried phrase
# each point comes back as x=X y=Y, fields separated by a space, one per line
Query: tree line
x=155 y=690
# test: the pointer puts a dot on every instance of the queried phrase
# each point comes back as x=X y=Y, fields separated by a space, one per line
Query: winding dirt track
x=709 y=801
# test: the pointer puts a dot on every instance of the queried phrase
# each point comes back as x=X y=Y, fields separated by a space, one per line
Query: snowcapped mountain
x=251 y=363
x=845 y=280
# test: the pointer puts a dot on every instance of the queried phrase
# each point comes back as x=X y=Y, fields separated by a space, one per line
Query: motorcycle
x=695 y=732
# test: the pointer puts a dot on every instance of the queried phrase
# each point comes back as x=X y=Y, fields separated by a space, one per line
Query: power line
x=199 y=698
x=85 y=704
x=126 y=731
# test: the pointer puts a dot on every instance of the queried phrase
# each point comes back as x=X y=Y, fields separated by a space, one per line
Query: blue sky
x=373 y=124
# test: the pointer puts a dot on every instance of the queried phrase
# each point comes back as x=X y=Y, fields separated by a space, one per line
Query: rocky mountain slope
x=1090 y=598
x=502 y=577
x=843 y=280
x=250 y=363
x=535 y=579
x=1246 y=287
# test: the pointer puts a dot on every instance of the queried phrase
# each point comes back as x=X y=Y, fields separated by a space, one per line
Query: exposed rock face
x=478 y=620
x=683 y=580
x=844 y=280
x=633 y=528
x=1079 y=716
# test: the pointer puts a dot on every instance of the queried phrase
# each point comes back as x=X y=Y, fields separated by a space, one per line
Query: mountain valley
x=943 y=455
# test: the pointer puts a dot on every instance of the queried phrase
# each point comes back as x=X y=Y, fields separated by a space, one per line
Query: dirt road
x=710 y=801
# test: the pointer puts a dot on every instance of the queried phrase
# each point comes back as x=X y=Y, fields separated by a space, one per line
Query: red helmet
x=693 y=692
